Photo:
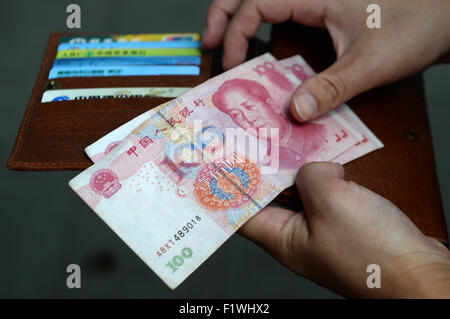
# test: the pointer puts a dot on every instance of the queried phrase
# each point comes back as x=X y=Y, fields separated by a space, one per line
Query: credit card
x=153 y=60
x=130 y=45
x=144 y=37
x=102 y=53
x=158 y=37
x=112 y=93
x=70 y=72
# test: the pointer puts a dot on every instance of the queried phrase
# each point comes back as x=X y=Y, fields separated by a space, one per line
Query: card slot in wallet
x=53 y=135
x=124 y=81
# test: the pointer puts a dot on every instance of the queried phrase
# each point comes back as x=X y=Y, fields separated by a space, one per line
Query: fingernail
x=305 y=105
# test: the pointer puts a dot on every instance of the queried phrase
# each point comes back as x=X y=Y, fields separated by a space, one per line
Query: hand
x=413 y=34
x=344 y=228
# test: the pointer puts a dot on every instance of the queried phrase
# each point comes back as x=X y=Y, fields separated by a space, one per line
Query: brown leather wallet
x=53 y=135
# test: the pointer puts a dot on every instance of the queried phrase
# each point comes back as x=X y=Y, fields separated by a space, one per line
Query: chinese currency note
x=198 y=167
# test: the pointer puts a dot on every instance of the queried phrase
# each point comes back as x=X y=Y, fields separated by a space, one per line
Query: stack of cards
x=129 y=55
x=124 y=55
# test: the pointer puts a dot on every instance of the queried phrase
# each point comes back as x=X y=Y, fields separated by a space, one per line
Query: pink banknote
x=295 y=65
x=298 y=66
x=190 y=175
x=100 y=148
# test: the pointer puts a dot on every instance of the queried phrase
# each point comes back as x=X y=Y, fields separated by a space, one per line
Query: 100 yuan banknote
x=298 y=67
x=187 y=178
x=295 y=65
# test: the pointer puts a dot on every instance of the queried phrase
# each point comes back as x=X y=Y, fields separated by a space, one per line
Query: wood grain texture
x=404 y=170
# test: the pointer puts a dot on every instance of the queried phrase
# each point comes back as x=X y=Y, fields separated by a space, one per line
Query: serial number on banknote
x=179 y=235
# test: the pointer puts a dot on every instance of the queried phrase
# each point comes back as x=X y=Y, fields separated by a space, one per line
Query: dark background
x=45 y=226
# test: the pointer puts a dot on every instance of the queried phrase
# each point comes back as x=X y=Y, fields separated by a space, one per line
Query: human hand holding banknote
x=366 y=58
x=345 y=227
x=166 y=191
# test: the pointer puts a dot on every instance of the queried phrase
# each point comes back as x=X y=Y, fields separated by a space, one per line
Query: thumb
x=272 y=228
x=317 y=182
x=280 y=231
x=322 y=92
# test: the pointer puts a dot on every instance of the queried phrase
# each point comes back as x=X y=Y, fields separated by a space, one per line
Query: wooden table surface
x=404 y=170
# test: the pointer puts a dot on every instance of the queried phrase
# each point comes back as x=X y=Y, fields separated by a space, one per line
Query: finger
x=248 y=18
x=352 y=74
x=217 y=19
x=244 y=25
x=316 y=182
x=312 y=177
x=282 y=232
x=272 y=229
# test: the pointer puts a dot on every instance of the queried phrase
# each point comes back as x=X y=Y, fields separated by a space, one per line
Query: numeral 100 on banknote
x=178 y=260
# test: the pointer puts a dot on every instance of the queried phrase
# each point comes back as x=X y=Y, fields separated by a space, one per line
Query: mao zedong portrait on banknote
x=250 y=105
